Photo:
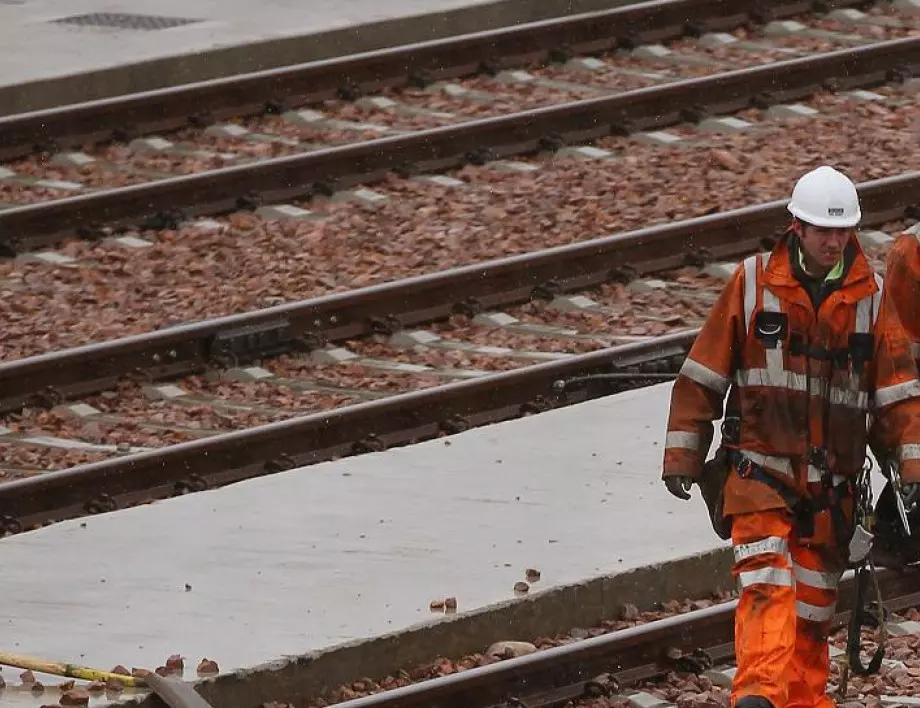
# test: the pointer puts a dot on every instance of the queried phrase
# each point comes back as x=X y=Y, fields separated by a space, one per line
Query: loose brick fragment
x=76 y=697
x=207 y=666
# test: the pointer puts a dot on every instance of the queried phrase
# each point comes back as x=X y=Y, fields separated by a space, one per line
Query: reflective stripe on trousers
x=788 y=596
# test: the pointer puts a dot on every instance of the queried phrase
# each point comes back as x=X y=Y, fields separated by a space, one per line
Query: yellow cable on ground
x=69 y=670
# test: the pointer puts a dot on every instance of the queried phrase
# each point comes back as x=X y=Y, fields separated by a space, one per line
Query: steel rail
x=375 y=425
x=538 y=680
x=252 y=93
x=552 y=677
x=526 y=132
x=50 y=378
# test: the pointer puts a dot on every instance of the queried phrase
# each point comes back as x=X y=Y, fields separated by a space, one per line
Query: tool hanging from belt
x=865 y=571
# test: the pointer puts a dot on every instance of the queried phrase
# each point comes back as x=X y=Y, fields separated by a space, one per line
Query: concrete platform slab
x=355 y=548
x=65 y=51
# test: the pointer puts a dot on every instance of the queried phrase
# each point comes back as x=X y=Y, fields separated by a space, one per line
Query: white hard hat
x=825 y=197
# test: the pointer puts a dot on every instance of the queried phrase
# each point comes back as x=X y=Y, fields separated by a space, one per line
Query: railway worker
x=806 y=339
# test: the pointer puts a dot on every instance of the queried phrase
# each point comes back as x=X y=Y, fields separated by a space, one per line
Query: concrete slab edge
x=235 y=59
x=550 y=612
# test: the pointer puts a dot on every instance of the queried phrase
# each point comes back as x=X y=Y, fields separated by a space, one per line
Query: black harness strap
x=856 y=621
x=802 y=508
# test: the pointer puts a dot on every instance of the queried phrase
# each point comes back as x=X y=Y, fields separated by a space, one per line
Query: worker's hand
x=679 y=486
x=910 y=492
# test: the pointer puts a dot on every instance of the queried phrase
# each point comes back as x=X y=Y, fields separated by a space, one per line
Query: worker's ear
x=796 y=227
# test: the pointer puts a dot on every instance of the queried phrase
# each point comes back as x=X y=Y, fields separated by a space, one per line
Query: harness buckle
x=745 y=467
x=817 y=457
x=862 y=346
x=731 y=430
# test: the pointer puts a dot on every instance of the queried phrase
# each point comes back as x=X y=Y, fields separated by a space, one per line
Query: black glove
x=679 y=486
x=910 y=492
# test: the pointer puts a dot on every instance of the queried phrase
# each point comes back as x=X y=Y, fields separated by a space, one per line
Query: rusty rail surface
x=364 y=427
x=526 y=132
x=274 y=90
x=50 y=378
x=590 y=668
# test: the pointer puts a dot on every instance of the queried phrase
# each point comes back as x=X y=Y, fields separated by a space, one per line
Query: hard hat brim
x=841 y=222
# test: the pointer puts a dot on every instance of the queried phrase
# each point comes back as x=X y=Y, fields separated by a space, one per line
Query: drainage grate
x=121 y=20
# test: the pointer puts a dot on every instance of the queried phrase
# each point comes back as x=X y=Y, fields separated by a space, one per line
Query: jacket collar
x=858 y=282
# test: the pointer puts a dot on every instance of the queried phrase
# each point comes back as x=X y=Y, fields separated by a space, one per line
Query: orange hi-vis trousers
x=788 y=596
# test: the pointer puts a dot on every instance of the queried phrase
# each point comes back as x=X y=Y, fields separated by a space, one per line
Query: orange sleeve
x=902 y=281
x=896 y=391
x=698 y=394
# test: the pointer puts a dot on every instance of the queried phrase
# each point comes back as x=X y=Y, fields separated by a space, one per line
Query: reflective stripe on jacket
x=781 y=401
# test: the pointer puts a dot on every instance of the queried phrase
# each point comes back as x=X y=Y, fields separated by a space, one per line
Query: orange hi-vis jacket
x=902 y=279
x=755 y=341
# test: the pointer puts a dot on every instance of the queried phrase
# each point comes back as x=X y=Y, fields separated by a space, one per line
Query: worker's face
x=821 y=244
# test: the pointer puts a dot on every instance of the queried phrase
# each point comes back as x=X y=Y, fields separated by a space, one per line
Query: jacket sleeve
x=896 y=399
x=698 y=394
x=902 y=281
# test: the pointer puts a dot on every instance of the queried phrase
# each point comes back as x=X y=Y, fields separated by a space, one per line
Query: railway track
x=311 y=164
x=351 y=363
x=684 y=660
x=382 y=419
x=252 y=95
